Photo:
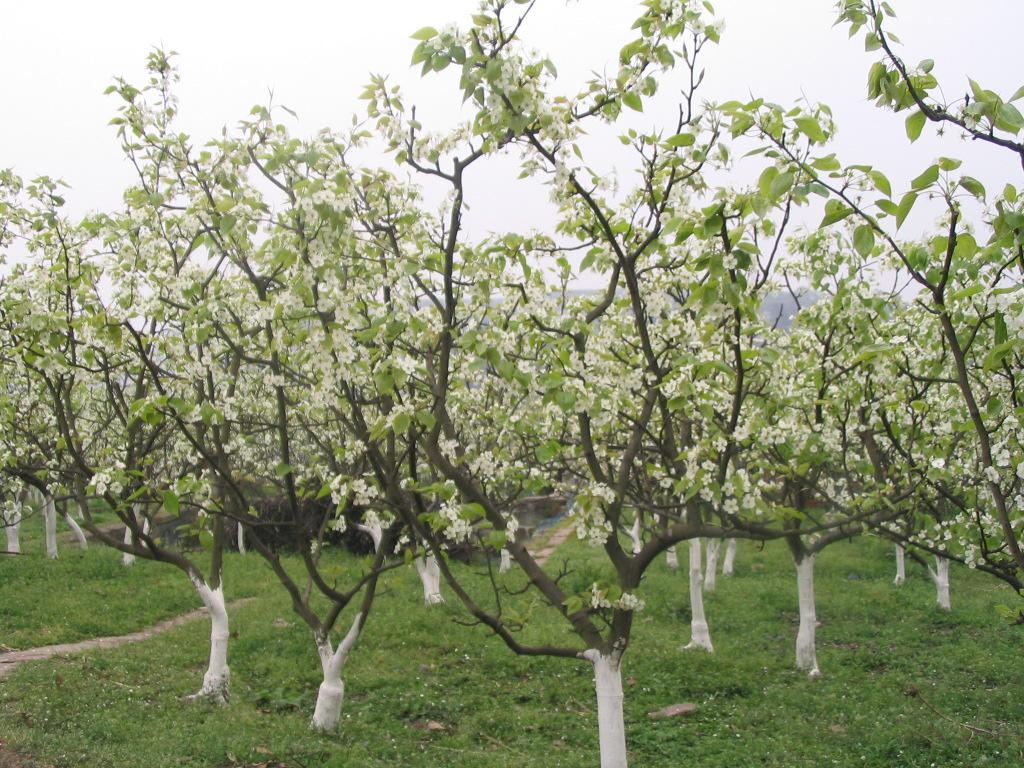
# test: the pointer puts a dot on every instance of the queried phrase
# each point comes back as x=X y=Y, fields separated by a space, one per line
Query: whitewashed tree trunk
x=711 y=569
x=634 y=536
x=241 y=539
x=671 y=558
x=332 y=690
x=700 y=636
x=50 y=525
x=729 y=561
x=216 y=681
x=506 y=561
x=430 y=575
x=76 y=529
x=806 y=655
x=940 y=577
x=12 y=527
x=901 y=568
x=611 y=726
x=127 y=558
x=375 y=532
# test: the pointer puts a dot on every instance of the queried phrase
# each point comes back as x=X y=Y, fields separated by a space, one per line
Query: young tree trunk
x=217 y=679
x=430 y=575
x=50 y=525
x=506 y=561
x=671 y=558
x=940 y=577
x=711 y=569
x=806 y=656
x=332 y=690
x=241 y=539
x=700 y=637
x=12 y=527
x=901 y=569
x=76 y=529
x=127 y=558
x=611 y=727
x=729 y=561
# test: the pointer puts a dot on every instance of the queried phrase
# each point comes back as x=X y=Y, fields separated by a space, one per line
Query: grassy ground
x=422 y=690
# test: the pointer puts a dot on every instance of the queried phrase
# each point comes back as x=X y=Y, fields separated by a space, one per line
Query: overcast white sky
x=56 y=58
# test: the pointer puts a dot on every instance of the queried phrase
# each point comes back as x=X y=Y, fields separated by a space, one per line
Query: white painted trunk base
x=634 y=536
x=76 y=529
x=671 y=558
x=375 y=532
x=12 y=527
x=216 y=681
x=506 y=561
x=700 y=635
x=711 y=569
x=128 y=559
x=611 y=727
x=940 y=577
x=901 y=567
x=241 y=539
x=806 y=655
x=50 y=525
x=729 y=561
x=430 y=576
x=329 y=698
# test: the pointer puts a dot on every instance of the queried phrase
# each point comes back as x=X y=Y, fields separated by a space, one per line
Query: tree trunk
x=76 y=529
x=711 y=569
x=611 y=727
x=729 y=561
x=671 y=558
x=375 y=532
x=506 y=561
x=430 y=575
x=901 y=569
x=940 y=577
x=216 y=681
x=634 y=536
x=806 y=656
x=241 y=539
x=127 y=558
x=12 y=527
x=50 y=525
x=332 y=690
x=700 y=637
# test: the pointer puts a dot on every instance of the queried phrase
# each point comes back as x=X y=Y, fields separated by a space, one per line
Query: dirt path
x=9 y=661
x=557 y=537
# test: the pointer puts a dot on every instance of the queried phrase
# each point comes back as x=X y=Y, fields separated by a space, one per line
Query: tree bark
x=430 y=576
x=611 y=726
x=700 y=636
x=940 y=577
x=671 y=558
x=76 y=529
x=241 y=539
x=729 y=561
x=901 y=568
x=12 y=527
x=128 y=559
x=50 y=525
x=506 y=561
x=711 y=569
x=216 y=681
x=806 y=655
x=329 y=698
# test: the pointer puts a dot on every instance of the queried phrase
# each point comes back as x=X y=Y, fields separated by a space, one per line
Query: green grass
x=415 y=666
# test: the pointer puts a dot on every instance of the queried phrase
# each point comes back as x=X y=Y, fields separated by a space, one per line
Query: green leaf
x=864 y=240
x=1002 y=335
x=834 y=211
x=915 y=124
x=401 y=423
x=632 y=100
x=171 y=503
x=973 y=186
x=681 y=140
x=811 y=128
x=426 y=33
x=781 y=185
x=904 y=208
x=926 y=179
x=283 y=469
